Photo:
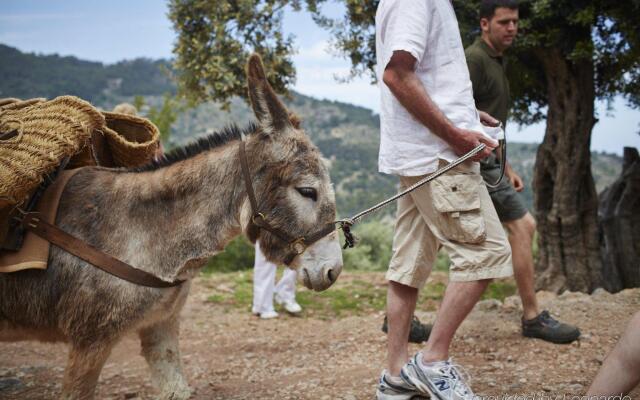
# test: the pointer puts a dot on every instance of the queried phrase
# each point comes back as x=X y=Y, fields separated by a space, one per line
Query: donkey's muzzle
x=320 y=280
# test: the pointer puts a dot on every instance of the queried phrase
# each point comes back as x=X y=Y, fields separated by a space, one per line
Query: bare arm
x=400 y=77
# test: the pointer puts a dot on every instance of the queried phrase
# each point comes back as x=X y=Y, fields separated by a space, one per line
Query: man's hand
x=516 y=181
x=463 y=141
x=487 y=120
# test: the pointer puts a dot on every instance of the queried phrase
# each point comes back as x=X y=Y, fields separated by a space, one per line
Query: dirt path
x=233 y=355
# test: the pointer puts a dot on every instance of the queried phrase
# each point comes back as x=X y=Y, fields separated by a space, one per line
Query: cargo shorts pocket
x=456 y=198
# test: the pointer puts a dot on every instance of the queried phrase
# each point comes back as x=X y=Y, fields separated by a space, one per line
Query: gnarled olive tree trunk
x=620 y=226
x=566 y=202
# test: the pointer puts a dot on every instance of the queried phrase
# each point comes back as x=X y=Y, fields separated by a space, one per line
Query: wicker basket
x=132 y=141
x=38 y=135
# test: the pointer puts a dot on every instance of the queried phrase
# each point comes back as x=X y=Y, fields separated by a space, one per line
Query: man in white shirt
x=428 y=118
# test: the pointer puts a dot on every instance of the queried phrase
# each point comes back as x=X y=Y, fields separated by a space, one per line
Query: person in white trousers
x=265 y=290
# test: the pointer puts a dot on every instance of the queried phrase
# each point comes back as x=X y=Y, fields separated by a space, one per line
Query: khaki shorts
x=453 y=211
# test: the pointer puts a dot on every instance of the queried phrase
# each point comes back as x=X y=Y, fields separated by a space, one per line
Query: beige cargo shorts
x=455 y=212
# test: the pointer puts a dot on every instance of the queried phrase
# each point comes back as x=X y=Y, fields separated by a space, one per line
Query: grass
x=355 y=293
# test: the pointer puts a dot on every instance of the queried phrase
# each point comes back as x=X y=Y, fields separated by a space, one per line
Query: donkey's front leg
x=83 y=370
x=160 y=348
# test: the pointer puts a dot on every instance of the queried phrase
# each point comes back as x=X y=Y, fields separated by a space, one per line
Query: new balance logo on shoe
x=442 y=380
x=442 y=385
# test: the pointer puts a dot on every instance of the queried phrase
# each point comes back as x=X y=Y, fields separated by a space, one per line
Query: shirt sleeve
x=406 y=27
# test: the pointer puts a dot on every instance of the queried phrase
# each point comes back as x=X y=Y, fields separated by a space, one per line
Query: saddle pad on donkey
x=34 y=253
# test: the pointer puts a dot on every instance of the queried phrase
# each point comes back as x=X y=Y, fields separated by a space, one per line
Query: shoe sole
x=567 y=340
x=422 y=386
x=413 y=397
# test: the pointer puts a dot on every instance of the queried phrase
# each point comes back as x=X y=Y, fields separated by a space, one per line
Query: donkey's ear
x=271 y=113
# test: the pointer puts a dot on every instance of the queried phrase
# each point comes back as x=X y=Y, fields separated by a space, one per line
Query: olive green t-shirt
x=488 y=77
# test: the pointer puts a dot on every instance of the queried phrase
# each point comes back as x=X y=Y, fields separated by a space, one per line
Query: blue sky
x=113 y=30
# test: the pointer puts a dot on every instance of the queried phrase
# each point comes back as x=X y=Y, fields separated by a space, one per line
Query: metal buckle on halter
x=298 y=245
x=261 y=215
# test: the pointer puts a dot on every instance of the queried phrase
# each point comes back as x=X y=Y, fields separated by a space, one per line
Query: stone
x=574 y=297
x=601 y=294
x=488 y=305
x=512 y=303
x=575 y=388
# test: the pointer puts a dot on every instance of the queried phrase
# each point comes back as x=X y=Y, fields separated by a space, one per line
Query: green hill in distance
x=347 y=135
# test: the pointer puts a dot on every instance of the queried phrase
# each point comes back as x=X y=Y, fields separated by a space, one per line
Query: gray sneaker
x=388 y=390
x=441 y=380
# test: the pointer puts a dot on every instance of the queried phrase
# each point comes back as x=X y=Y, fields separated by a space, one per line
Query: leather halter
x=295 y=245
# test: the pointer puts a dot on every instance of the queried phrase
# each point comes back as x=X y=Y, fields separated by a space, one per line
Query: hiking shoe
x=418 y=333
x=545 y=327
x=388 y=390
x=441 y=380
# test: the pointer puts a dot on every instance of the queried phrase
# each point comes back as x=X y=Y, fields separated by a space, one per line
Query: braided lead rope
x=347 y=223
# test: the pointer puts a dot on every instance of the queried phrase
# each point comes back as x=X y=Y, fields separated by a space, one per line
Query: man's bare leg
x=521 y=233
x=620 y=372
x=401 y=303
x=458 y=301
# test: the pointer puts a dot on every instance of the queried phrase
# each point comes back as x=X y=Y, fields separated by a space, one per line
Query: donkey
x=167 y=218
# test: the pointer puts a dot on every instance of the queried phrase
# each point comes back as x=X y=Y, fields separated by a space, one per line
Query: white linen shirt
x=428 y=29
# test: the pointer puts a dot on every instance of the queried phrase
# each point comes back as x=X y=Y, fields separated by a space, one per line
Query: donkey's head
x=292 y=188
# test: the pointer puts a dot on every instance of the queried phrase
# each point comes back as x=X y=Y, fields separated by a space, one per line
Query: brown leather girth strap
x=92 y=255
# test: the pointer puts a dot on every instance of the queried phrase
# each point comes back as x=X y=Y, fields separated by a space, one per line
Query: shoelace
x=459 y=376
x=547 y=319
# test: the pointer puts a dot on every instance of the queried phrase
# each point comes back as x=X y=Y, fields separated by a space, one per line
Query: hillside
x=30 y=75
x=347 y=135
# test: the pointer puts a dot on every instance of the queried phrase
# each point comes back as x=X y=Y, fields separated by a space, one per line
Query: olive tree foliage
x=215 y=39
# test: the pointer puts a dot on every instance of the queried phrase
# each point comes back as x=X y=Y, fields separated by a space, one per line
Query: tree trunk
x=566 y=201
x=620 y=226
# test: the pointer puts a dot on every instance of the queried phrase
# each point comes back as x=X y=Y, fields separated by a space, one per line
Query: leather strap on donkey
x=90 y=254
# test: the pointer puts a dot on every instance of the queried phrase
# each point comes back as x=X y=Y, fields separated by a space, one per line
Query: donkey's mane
x=205 y=143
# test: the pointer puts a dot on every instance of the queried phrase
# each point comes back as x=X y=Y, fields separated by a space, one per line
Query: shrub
x=238 y=255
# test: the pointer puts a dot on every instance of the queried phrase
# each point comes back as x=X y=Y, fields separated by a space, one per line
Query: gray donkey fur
x=167 y=219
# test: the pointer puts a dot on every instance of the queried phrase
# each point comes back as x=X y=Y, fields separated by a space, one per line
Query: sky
x=110 y=31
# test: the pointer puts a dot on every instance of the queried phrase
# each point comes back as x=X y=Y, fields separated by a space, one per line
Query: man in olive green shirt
x=487 y=68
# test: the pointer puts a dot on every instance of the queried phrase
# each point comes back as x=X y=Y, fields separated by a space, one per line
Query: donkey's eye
x=308 y=192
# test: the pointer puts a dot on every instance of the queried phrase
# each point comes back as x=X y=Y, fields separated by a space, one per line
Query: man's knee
x=486 y=282
x=523 y=228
